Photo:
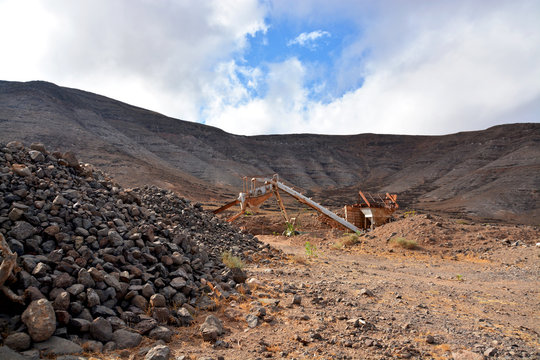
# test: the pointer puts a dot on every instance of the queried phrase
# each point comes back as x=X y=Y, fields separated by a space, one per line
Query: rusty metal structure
x=259 y=189
x=371 y=210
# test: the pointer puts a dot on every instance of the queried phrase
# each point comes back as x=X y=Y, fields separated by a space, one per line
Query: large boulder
x=101 y=329
x=40 y=320
x=211 y=328
x=126 y=339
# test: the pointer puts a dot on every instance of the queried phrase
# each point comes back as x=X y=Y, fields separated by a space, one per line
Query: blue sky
x=318 y=47
x=278 y=66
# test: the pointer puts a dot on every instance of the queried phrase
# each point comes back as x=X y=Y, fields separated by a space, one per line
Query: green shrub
x=311 y=250
x=409 y=213
x=290 y=230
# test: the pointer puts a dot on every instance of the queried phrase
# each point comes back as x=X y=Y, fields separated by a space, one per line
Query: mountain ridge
x=489 y=173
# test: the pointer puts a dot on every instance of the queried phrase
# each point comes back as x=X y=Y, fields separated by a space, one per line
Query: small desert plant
x=290 y=230
x=462 y=222
x=459 y=277
x=311 y=250
x=409 y=213
x=232 y=261
x=404 y=243
x=299 y=259
x=350 y=240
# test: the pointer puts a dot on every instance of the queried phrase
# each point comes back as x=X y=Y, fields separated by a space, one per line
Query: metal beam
x=305 y=200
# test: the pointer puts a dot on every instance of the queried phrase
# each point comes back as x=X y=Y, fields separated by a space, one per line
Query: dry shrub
x=232 y=261
x=350 y=240
x=346 y=241
x=299 y=259
x=403 y=243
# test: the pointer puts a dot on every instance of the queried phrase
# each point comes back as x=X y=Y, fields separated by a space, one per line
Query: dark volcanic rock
x=212 y=328
x=159 y=352
x=96 y=258
x=101 y=329
x=40 y=320
x=18 y=341
x=125 y=339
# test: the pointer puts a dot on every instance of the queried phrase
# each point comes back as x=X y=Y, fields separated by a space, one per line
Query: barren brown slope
x=491 y=173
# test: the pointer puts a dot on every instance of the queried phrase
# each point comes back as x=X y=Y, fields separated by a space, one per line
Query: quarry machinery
x=253 y=195
x=371 y=210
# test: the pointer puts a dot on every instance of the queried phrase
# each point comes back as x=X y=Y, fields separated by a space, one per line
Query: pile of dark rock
x=101 y=265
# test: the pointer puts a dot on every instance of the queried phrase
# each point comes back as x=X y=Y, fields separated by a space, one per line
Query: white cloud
x=426 y=67
x=443 y=74
x=423 y=72
x=158 y=55
x=308 y=39
x=281 y=109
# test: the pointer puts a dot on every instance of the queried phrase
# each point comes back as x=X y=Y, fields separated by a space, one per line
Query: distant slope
x=492 y=173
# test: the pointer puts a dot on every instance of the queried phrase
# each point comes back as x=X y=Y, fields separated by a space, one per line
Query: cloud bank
x=308 y=39
x=411 y=67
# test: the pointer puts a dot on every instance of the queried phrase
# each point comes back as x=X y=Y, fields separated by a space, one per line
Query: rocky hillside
x=485 y=174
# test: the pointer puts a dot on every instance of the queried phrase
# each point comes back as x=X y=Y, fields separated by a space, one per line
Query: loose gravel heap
x=101 y=265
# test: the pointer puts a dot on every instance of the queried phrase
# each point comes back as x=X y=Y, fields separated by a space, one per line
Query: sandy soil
x=466 y=287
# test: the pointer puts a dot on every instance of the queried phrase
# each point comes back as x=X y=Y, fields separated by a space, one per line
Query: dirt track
x=375 y=301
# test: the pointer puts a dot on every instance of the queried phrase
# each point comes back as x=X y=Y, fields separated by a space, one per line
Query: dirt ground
x=465 y=290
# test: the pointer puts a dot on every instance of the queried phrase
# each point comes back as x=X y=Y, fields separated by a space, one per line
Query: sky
x=424 y=67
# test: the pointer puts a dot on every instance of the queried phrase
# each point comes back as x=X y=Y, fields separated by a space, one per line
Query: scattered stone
x=159 y=352
x=126 y=339
x=21 y=170
x=212 y=328
x=161 y=314
x=101 y=329
x=356 y=322
x=366 y=292
x=92 y=346
x=466 y=355
x=184 y=316
x=145 y=325
x=158 y=300
x=39 y=147
x=430 y=339
x=22 y=230
x=161 y=333
x=32 y=354
x=36 y=156
x=7 y=353
x=297 y=299
x=252 y=320
x=18 y=341
x=15 y=145
x=238 y=275
x=40 y=320
x=58 y=346
x=15 y=214
x=71 y=159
